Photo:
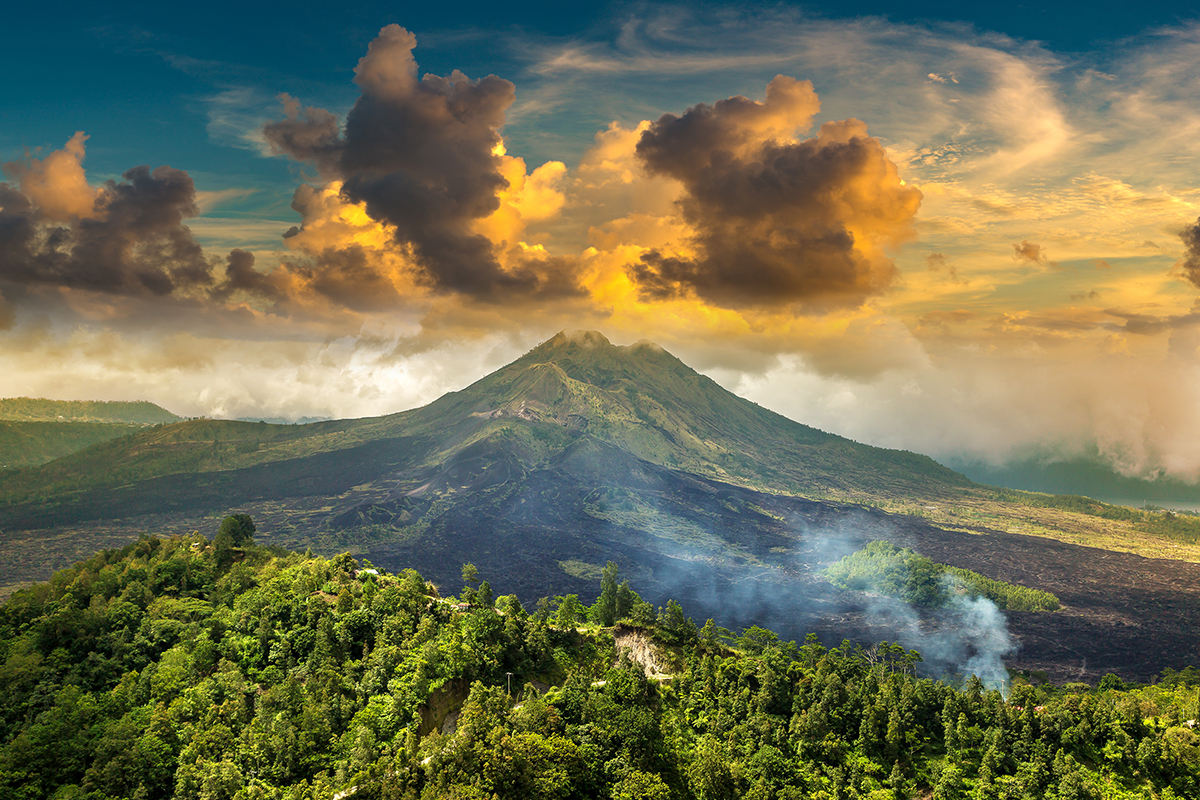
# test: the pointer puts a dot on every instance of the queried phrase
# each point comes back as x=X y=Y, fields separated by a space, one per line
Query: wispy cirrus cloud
x=236 y=116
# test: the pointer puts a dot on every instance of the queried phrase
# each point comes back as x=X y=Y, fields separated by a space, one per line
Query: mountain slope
x=34 y=430
x=26 y=444
x=645 y=401
x=639 y=399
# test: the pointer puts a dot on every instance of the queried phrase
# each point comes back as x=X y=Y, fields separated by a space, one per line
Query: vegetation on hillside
x=223 y=670
x=193 y=447
x=34 y=431
x=884 y=568
x=39 y=409
x=1180 y=526
x=26 y=444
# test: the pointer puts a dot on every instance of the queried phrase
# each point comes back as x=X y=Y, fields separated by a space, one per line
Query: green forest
x=224 y=670
x=39 y=409
x=884 y=568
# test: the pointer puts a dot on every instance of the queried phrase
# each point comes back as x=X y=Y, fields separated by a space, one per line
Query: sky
x=972 y=233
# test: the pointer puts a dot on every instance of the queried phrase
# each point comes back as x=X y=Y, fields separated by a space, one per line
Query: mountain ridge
x=40 y=409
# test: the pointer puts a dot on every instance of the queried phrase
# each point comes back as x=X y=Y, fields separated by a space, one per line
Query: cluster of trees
x=222 y=670
x=884 y=568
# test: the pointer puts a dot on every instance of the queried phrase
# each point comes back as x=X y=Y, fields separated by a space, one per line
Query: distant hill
x=1086 y=475
x=34 y=431
x=38 y=409
x=27 y=444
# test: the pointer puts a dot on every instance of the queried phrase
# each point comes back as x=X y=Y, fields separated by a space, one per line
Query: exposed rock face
x=641 y=650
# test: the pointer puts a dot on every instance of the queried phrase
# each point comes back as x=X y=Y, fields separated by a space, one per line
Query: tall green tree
x=569 y=611
x=605 y=609
x=237 y=530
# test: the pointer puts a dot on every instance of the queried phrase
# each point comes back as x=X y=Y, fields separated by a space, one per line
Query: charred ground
x=739 y=556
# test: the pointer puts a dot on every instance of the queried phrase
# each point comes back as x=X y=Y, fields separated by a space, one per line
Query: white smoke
x=968 y=636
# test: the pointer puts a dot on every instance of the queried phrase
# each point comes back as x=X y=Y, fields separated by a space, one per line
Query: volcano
x=582 y=452
x=575 y=404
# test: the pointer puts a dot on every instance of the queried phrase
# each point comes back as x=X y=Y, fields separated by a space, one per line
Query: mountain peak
x=644 y=400
x=577 y=338
x=584 y=346
x=589 y=357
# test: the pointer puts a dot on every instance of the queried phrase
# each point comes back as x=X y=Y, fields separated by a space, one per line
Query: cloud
x=425 y=157
x=373 y=370
x=57 y=184
x=240 y=276
x=775 y=220
x=1030 y=253
x=306 y=134
x=936 y=262
x=130 y=239
x=235 y=118
x=942 y=320
x=207 y=201
x=995 y=406
x=8 y=313
x=1189 y=265
x=1143 y=324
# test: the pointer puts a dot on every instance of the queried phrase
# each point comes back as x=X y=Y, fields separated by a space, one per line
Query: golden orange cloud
x=57 y=184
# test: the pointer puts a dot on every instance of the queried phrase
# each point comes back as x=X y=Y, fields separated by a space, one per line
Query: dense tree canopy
x=900 y=572
x=163 y=670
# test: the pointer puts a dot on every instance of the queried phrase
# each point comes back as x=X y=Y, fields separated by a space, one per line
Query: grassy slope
x=34 y=430
x=1145 y=533
x=26 y=444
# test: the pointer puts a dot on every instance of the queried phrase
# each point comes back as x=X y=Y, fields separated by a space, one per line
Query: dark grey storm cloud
x=776 y=220
x=420 y=153
x=241 y=276
x=136 y=244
